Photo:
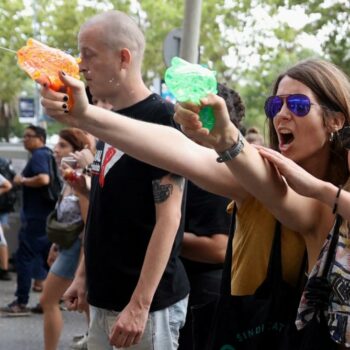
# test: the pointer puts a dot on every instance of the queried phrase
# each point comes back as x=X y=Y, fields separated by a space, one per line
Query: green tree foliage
x=157 y=19
x=332 y=25
x=14 y=26
x=261 y=46
x=243 y=41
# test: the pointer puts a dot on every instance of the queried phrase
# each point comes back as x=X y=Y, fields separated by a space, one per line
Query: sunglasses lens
x=272 y=106
x=344 y=135
x=299 y=104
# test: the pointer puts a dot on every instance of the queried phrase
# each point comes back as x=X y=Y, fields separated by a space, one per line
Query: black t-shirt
x=35 y=206
x=121 y=220
x=205 y=215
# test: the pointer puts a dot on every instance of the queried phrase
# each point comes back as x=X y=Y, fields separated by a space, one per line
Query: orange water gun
x=42 y=63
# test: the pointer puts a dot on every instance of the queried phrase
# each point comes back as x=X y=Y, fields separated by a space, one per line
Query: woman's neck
x=317 y=166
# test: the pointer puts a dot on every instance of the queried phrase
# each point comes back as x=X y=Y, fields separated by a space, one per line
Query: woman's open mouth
x=286 y=138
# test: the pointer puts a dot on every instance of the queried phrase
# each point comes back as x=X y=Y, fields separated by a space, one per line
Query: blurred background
x=246 y=42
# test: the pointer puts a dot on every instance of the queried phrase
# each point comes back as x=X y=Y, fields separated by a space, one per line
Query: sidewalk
x=25 y=333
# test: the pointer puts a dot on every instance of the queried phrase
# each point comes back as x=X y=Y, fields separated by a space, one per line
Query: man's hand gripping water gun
x=43 y=64
x=190 y=83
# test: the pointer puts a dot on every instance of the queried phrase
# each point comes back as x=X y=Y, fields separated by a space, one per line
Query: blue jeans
x=31 y=256
x=161 y=331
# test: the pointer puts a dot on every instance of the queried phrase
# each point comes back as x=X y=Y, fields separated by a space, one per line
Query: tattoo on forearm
x=161 y=192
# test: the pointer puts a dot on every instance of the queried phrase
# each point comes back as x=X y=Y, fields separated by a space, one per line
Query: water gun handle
x=60 y=87
x=206 y=116
x=70 y=102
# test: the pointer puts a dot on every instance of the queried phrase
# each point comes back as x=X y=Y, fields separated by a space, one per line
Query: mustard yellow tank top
x=252 y=242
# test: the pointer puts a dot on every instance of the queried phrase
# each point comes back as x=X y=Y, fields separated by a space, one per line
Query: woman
x=63 y=262
x=336 y=301
x=310 y=103
x=5 y=186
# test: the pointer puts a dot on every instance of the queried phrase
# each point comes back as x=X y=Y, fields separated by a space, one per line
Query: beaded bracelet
x=335 y=207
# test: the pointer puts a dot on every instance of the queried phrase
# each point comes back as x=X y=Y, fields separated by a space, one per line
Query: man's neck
x=35 y=148
x=130 y=95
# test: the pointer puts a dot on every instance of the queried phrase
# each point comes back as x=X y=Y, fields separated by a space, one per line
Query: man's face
x=31 y=141
x=100 y=64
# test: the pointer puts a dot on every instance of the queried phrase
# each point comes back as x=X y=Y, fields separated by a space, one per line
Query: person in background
x=254 y=136
x=63 y=262
x=5 y=186
x=33 y=245
x=207 y=225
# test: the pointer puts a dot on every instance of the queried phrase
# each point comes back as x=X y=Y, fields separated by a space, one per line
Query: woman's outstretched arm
x=167 y=148
x=158 y=145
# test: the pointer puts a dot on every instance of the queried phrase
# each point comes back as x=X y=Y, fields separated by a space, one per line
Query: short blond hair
x=119 y=31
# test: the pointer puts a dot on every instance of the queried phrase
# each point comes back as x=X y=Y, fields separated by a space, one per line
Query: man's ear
x=125 y=58
x=335 y=121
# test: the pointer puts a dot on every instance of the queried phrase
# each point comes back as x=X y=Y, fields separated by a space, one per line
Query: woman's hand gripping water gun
x=43 y=64
x=190 y=83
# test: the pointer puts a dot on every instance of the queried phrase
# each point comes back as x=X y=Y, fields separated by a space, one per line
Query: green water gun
x=191 y=82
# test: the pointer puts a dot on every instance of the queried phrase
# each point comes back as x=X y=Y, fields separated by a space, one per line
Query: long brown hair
x=331 y=87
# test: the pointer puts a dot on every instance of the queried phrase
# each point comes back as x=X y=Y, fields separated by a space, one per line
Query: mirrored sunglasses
x=298 y=104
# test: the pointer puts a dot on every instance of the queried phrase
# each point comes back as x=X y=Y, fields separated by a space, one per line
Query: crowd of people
x=157 y=195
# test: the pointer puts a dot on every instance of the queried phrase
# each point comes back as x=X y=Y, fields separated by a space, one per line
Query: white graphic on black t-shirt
x=110 y=156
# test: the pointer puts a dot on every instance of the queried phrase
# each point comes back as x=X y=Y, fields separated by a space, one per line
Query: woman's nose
x=284 y=112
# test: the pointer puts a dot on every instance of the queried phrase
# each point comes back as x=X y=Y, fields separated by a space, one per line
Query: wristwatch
x=231 y=152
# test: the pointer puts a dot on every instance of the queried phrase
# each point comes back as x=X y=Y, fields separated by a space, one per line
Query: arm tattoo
x=179 y=181
x=161 y=192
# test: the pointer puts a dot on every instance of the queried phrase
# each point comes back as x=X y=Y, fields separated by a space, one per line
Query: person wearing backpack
x=33 y=244
x=5 y=187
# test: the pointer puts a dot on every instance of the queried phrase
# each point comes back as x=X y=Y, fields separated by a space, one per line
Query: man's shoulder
x=162 y=104
x=42 y=151
x=158 y=111
x=41 y=154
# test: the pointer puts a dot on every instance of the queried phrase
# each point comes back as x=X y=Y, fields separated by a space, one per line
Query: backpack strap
x=225 y=288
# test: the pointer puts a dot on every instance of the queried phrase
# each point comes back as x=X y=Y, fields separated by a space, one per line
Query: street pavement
x=25 y=333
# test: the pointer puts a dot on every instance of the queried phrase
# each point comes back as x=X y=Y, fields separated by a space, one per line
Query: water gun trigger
x=41 y=79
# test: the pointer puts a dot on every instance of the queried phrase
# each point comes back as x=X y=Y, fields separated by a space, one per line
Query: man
x=207 y=226
x=33 y=243
x=136 y=285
